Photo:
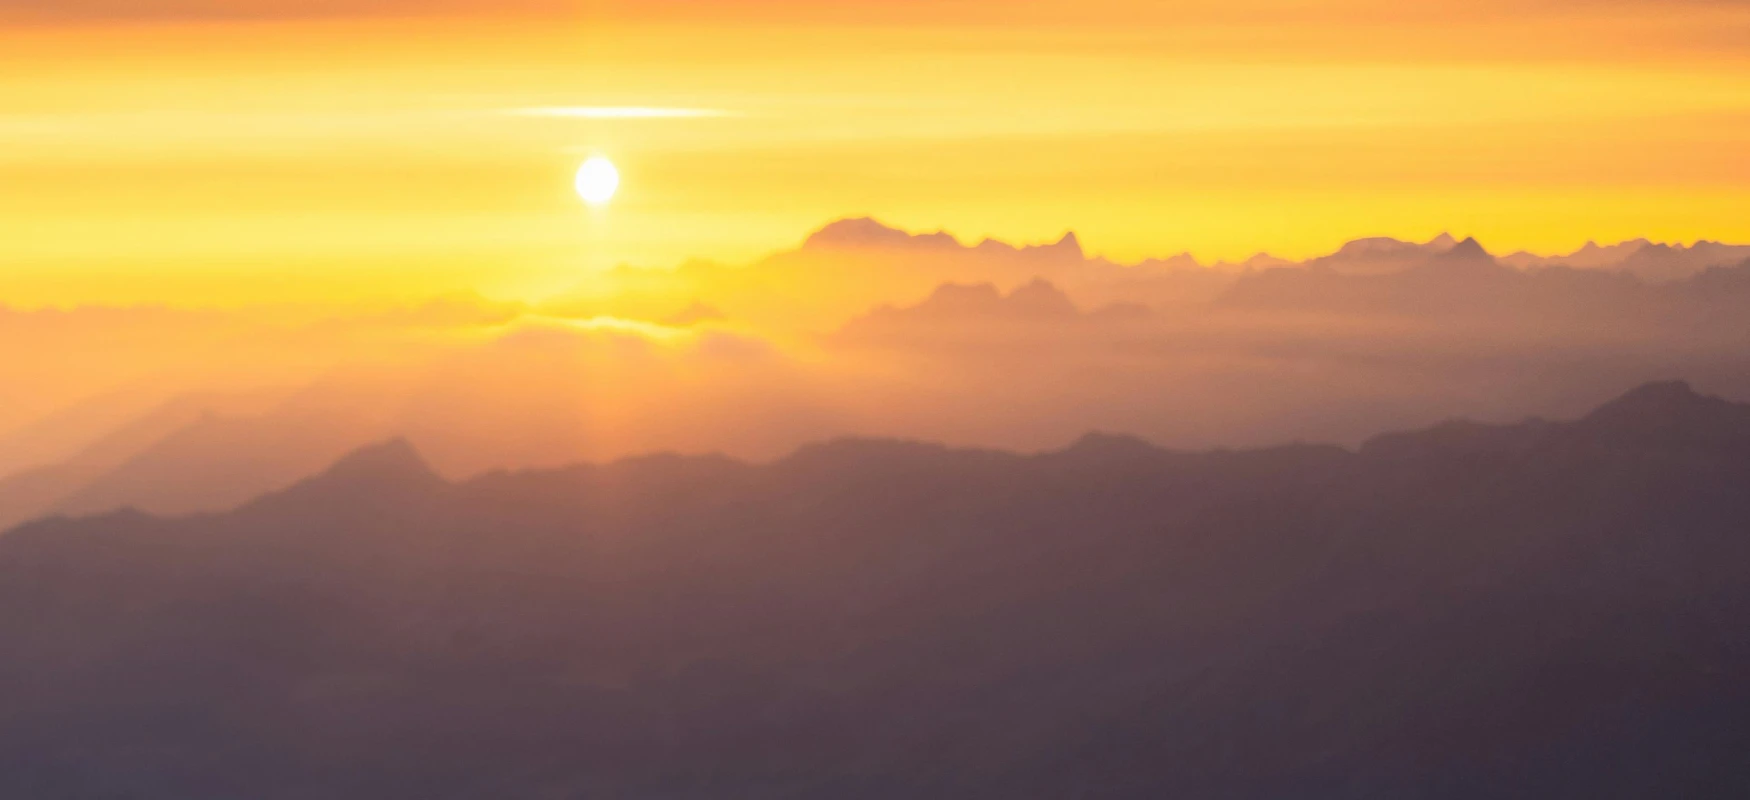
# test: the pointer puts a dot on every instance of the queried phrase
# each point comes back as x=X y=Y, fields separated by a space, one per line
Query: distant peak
x=378 y=475
x=1182 y=261
x=1671 y=407
x=866 y=232
x=1469 y=248
x=961 y=293
x=1659 y=396
x=1110 y=445
x=393 y=459
x=1441 y=243
x=1374 y=246
x=1665 y=389
x=1265 y=261
x=854 y=230
x=1038 y=298
x=1067 y=247
x=1041 y=297
x=1467 y=252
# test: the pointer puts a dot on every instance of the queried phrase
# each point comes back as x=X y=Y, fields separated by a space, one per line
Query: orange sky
x=203 y=151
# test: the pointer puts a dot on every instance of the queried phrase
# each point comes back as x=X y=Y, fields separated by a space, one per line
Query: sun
x=597 y=181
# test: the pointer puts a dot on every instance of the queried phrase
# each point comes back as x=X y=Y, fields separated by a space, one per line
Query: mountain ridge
x=394 y=466
x=1655 y=262
x=870 y=618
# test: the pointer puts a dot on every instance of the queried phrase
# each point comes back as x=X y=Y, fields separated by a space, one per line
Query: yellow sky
x=170 y=153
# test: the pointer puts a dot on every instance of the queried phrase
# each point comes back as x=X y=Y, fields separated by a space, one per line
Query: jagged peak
x=869 y=233
x=1466 y=256
x=1069 y=245
x=1469 y=248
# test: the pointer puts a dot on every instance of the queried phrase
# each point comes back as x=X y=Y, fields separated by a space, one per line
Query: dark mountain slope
x=1540 y=610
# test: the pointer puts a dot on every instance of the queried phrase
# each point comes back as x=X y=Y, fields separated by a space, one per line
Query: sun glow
x=139 y=161
x=597 y=181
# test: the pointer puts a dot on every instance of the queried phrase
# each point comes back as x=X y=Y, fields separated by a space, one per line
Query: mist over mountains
x=494 y=400
x=816 y=603
x=862 y=329
x=1537 y=609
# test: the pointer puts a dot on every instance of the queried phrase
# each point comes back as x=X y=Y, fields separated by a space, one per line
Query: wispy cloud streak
x=620 y=112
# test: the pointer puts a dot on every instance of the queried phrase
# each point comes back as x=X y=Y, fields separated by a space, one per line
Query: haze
x=863 y=400
x=204 y=152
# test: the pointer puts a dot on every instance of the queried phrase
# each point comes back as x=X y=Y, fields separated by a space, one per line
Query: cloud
x=619 y=112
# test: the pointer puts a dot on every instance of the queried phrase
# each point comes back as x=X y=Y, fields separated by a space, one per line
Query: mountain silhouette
x=1465 y=281
x=1652 y=262
x=217 y=462
x=1542 y=609
x=1380 y=255
x=866 y=232
x=1068 y=247
x=850 y=266
x=956 y=314
x=951 y=302
x=41 y=490
x=392 y=465
x=1468 y=250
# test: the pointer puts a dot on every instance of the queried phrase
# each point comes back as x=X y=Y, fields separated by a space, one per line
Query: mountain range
x=872 y=330
x=1654 y=262
x=851 y=265
x=1542 y=609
